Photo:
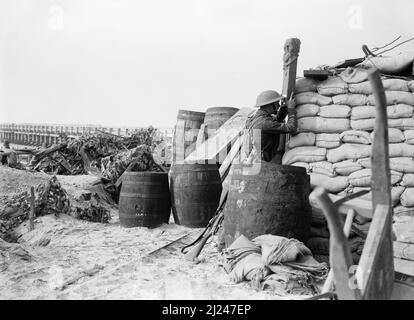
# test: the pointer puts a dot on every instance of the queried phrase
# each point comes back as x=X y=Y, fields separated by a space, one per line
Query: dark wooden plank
x=290 y=64
x=317 y=74
x=348 y=63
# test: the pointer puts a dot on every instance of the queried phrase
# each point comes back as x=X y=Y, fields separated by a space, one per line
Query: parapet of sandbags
x=336 y=121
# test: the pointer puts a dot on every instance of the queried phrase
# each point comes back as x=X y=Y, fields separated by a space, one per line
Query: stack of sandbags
x=336 y=119
x=318 y=242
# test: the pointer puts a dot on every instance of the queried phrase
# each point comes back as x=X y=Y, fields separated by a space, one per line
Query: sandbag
x=301 y=139
x=403 y=123
x=362 y=178
x=401 y=164
x=354 y=75
x=363 y=112
x=304 y=154
x=401 y=211
x=330 y=184
x=399 y=111
x=401 y=150
x=334 y=111
x=394 y=97
x=332 y=86
x=323 y=167
x=324 y=258
x=389 y=85
x=409 y=136
x=350 y=99
x=247 y=268
x=363 y=124
x=312 y=98
x=407 y=198
x=369 y=124
x=323 y=125
x=302 y=165
x=403 y=228
x=391 y=64
x=396 y=192
x=411 y=85
x=318 y=218
x=355 y=136
x=307 y=110
x=394 y=135
x=393 y=112
x=305 y=85
x=318 y=245
x=346 y=167
x=355 y=243
x=407 y=180
x=327 y=140
x=320 y=231
x=348 y=151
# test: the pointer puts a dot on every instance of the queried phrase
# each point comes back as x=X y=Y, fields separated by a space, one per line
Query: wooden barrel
x=270 y=200
x=217 y=116
x=185 y=133
x=144 y=200
x=195 y=193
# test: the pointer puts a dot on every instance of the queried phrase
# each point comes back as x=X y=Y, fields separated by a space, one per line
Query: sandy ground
x=65 y=258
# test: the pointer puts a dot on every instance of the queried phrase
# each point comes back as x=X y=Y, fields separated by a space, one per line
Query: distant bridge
x=38 y=134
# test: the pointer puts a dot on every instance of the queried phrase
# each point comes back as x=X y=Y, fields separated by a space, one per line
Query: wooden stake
x=290 y=62
x=376 y=267
x=32 y=209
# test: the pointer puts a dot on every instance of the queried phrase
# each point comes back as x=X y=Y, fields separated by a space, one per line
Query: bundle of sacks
x=336 y=119
x=273 y=263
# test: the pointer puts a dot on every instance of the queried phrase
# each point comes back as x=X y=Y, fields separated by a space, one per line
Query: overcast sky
x=135 y=63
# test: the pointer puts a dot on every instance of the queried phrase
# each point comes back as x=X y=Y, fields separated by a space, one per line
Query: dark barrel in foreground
x=144 y=200
x=195 y=193
x=267 y=198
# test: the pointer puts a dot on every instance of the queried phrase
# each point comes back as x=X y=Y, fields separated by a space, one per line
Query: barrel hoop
x=203 y=183
x=145 y=183
x=139 y=173
x=144 y=196
x=196 y=204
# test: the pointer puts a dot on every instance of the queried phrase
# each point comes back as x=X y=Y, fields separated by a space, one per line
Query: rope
x=388 y=44
x=392 y=48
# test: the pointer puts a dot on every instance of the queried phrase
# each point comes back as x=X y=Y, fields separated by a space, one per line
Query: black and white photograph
x=206 y=156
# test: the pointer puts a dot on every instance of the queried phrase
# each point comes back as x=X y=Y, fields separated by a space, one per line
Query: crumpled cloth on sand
x=285 y=266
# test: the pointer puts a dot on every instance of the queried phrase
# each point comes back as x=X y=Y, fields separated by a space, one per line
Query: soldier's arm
x=281 y=113
x=271 y=125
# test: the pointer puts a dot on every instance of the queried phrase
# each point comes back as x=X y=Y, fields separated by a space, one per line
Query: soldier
x=265 y=126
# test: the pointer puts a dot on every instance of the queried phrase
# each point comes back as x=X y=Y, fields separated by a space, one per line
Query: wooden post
x=290 y=62
x=376 y=272
x=32 y=209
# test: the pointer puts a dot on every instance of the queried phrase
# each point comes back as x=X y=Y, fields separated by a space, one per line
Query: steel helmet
x=267 y=97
